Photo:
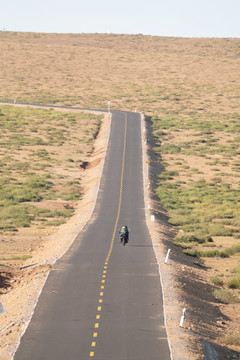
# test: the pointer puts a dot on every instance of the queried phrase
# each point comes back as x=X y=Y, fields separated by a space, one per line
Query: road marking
x=99 y=308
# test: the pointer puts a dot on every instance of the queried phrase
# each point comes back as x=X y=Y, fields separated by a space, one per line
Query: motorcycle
x=123 y=239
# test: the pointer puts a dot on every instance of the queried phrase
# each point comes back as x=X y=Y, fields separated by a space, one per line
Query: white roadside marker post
x=2 y=310
x=167 y=256
x=182 y=317
x=109 y=106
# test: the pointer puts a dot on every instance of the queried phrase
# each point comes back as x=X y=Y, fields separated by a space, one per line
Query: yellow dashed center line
x=99 y=308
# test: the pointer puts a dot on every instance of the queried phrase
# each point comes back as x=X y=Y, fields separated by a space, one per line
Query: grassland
x=190 y=90
x=41 y=152
x=34 y=145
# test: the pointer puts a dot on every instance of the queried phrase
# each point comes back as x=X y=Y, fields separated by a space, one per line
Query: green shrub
x=186 y=238
x=235 y=249
x=42 y=153
x=209 y=244
x=192 y=252
x=219 y=230
x=200 y=253
x=23 y=257
x=15 y=216
x=210 y=253
x=236 y=270
x=183 y=219
x=38 y=183
x=73 y=195
x=216 y=280
x=226 y=296
x=233 y=339
x=167 y=175
x=184 y=245
x=170 y=149
x=234 y=283
x=20 y=195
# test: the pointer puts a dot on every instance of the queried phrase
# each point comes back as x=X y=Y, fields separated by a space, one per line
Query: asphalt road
x=102 y=300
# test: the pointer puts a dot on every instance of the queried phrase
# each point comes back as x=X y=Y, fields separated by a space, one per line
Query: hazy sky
x=187 y=18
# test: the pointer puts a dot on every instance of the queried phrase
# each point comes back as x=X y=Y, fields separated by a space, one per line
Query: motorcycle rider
x=124 y=231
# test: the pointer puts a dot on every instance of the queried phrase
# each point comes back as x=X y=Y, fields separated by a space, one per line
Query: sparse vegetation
x=233 y=339
x=23 y=179
x=226 y=296
x=234 y=283
x=187 y=86
x=216 y=280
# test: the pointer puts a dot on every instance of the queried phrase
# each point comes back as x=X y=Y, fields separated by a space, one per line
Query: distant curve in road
x=102 y=300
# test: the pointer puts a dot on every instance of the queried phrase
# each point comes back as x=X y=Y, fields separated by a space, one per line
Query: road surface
x=102 y=300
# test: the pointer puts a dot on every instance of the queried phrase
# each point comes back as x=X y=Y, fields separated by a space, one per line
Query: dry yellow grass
x=149 y=73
